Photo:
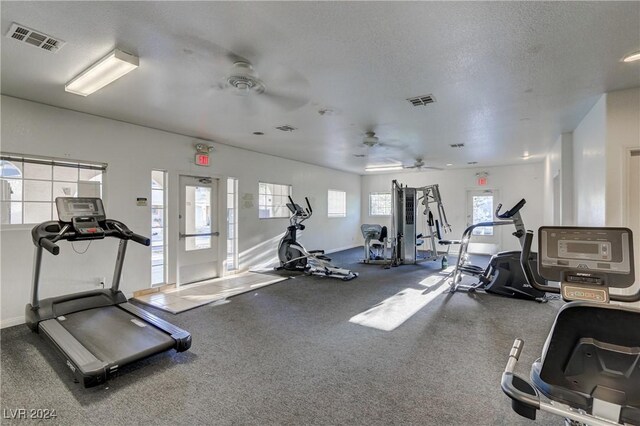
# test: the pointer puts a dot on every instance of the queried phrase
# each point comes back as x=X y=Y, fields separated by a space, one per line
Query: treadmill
x=95 y=331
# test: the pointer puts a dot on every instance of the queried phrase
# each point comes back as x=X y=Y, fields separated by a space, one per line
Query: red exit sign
x=202 y=159
x=482 y=181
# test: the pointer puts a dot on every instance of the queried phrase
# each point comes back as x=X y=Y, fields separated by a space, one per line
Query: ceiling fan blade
x=284 y=102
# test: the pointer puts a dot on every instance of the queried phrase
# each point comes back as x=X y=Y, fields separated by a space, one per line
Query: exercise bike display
x=294 y=257
x=589 y=367
x=504 y=275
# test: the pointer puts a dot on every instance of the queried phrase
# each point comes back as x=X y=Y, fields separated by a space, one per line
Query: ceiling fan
x=373 y=146
x=419 y=164
x=245 y=86
x=282 y=88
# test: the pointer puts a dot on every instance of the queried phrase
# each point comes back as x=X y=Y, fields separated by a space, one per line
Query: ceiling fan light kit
x=245 y=79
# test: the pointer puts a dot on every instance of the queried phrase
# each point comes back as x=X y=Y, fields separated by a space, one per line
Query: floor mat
x=194 y=295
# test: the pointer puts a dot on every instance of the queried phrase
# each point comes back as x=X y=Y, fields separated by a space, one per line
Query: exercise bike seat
x=602 y=362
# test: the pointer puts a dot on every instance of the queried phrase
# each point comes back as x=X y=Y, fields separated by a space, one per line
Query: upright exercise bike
x=504 y=275
x=294 y=257
x=590 y=363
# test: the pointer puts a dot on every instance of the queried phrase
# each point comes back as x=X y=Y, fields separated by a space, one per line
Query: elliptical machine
x=504 y=275
x=294 y=257
x=589 y=363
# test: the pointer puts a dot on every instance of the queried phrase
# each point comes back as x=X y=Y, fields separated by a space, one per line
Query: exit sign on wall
x=202 y=159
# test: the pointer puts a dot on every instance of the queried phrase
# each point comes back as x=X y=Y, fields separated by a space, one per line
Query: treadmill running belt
x=115 y=336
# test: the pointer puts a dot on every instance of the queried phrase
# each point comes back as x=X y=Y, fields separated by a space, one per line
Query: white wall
x=623 y=133
x=559 y=163
x=589 y=166
x=512 y=182
x=132 y=152
x=552 y=168
x=601 y=143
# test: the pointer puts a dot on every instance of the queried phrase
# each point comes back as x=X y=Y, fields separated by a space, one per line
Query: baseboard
x=343 y=248
x=10 y=322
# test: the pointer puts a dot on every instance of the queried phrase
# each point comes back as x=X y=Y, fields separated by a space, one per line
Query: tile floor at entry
x=193 y=295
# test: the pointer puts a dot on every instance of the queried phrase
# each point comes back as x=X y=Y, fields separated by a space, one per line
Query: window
x=29 y=186
x=232 y=224
x=158 y=227
x=198 y=216
x=380 y=204
x=272 y=200
x=336 y=203
x=482 y=211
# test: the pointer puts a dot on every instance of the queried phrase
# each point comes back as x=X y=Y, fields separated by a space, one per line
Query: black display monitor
x=586 y=256
x=70 y=207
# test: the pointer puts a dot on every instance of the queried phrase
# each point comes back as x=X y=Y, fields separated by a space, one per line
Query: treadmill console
x=85 y=215
x=587 y=261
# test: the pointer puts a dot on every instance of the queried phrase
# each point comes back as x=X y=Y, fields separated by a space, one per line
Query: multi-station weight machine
x=409 y=207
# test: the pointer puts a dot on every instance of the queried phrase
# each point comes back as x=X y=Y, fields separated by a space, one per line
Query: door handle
x=210 y=234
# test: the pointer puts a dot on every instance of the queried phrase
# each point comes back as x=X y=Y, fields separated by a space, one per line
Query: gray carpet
x=287 y=354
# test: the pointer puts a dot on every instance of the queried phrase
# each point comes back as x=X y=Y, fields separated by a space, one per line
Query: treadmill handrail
x=44 y=236
x=47 y=234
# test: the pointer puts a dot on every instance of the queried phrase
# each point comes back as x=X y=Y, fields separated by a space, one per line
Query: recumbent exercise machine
x=97 y=331
x=294 y=257
x=590 y=363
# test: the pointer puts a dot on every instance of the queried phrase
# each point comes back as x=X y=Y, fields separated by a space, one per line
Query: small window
x=29 y=186
x=380 y=204
x=232 y=224
x=272 y=200
x=336 y=203
x=158 y=227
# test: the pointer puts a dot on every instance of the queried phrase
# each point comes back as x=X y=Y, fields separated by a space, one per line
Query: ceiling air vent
x=34 y=38
x=456 y=145
x=286 y=128
x=422 y=100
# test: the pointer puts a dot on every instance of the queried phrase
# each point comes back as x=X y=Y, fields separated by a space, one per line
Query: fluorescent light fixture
x=383 y=168
x=449 y=164
x=525 y=155
x=632 y=58
x=105 y=71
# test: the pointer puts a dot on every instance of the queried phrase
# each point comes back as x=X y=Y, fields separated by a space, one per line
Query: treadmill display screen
x=70 y=207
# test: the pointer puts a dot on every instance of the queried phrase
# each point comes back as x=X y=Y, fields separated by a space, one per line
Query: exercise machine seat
x=592 y=350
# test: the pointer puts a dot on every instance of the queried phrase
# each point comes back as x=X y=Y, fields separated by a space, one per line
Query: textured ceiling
x=507 y=77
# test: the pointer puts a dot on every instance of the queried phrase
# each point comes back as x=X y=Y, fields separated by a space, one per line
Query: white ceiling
x=507 y=77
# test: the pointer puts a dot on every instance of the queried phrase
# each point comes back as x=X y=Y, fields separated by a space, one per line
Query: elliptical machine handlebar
x=512 y=211
x=309 y=209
